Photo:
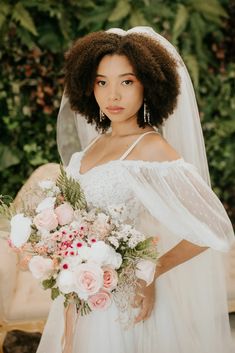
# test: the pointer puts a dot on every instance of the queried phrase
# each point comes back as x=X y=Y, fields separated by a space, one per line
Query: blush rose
x=47 y=219
x=110 y=278
x=40 y=267
x=100 y=300
x=64 y=213
x=89 y=279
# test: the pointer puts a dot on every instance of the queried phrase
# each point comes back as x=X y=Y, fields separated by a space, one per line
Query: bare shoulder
x=153 y=147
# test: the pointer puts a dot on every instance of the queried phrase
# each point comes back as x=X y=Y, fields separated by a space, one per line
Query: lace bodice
x=105 y=186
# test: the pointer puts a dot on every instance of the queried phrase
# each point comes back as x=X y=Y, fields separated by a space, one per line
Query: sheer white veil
x=182 y=129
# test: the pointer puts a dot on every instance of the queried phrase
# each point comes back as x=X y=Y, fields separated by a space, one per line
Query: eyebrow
x=126 y=74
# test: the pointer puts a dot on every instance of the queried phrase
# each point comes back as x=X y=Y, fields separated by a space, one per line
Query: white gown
x=168 y=199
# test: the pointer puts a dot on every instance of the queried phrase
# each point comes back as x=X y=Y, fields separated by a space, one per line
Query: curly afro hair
x=153 y=65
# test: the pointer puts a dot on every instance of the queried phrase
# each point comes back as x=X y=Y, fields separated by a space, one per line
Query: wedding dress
x=170 y=200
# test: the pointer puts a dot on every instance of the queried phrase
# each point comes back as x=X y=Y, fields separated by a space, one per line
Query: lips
x=114 y=109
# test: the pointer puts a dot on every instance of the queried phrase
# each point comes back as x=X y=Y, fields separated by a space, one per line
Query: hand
x=145 y=299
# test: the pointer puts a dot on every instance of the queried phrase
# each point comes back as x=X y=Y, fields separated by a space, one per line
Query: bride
x=146 y=152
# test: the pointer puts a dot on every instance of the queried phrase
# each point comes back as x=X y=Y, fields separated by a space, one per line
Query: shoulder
x=153 y=147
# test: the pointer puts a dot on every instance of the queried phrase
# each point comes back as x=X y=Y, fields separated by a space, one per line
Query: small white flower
x=114 y=241
x=47 y=203
x=20 y=229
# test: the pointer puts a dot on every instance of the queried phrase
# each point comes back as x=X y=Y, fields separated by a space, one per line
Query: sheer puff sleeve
x=177 y=197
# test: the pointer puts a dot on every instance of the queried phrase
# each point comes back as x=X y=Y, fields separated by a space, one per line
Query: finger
x=145 y=312
x=141 y=316
x=137 y=301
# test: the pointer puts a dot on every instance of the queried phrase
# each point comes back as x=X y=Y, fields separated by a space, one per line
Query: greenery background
x=36 y=33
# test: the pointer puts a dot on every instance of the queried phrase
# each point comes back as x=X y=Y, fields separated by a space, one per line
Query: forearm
x=179 y=254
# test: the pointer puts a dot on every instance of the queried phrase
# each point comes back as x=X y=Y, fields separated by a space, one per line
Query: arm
x=181 y=253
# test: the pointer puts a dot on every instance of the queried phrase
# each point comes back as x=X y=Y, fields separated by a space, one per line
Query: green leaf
x=181 y=21
x=55 y=292
x=121 y=10
x=21 y=15
x=48 y=283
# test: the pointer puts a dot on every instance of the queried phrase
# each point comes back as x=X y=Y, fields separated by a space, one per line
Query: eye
x=127 y=82
x=101 y=83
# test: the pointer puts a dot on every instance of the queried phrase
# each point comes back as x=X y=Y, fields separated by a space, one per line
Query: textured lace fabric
x=105 y=186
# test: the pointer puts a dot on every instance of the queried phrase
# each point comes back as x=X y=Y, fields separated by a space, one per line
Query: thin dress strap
x=125 y=154
x=91 y=143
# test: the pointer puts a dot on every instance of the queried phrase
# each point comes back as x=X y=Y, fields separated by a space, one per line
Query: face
x=117 y=90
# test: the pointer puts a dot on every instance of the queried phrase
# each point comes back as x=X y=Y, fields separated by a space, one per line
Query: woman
x=129 y=85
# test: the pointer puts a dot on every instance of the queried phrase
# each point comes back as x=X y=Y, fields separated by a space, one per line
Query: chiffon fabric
x=170 y=200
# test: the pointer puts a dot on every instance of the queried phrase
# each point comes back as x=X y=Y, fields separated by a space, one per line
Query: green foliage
x=71 y=190
x=55 y=292
x=48 y=283
x=36 y=33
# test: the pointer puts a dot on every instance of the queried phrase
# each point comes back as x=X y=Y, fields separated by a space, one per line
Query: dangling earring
x=146 y=113
x=102 y=115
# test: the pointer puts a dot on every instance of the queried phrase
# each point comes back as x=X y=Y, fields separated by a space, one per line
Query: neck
x=126 y=128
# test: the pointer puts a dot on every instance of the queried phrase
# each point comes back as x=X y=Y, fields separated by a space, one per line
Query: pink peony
x=89 y=279
x=100 y=301
x=110 y=278
x=46 y=220
x=64 y=213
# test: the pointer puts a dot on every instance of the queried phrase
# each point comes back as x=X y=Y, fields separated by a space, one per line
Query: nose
x=114 y=93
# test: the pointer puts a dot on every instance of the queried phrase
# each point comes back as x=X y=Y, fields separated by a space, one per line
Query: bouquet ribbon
x=70 y=319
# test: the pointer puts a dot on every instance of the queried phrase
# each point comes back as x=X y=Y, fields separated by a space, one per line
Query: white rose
x=84 y=252
x=47 y=203
x=41 y=267
x=103 y=254
x=20 y=229
x=66 y=281
x=145 y=270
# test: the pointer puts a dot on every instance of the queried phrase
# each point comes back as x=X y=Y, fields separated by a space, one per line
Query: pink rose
x=89 y=279
x=46 y=220
x=110 y=278
x=64 y=214
x=41 y=267
x=100 y=301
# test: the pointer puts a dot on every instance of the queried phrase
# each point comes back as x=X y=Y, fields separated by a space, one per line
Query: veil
x=182 y=129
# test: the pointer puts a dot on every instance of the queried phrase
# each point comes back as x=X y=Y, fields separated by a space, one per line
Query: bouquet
x=86 y=254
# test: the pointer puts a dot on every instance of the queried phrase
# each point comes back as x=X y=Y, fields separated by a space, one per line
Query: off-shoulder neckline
x=135 y=162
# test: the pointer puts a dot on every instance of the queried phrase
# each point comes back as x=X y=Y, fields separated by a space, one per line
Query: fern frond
x=71 y=190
